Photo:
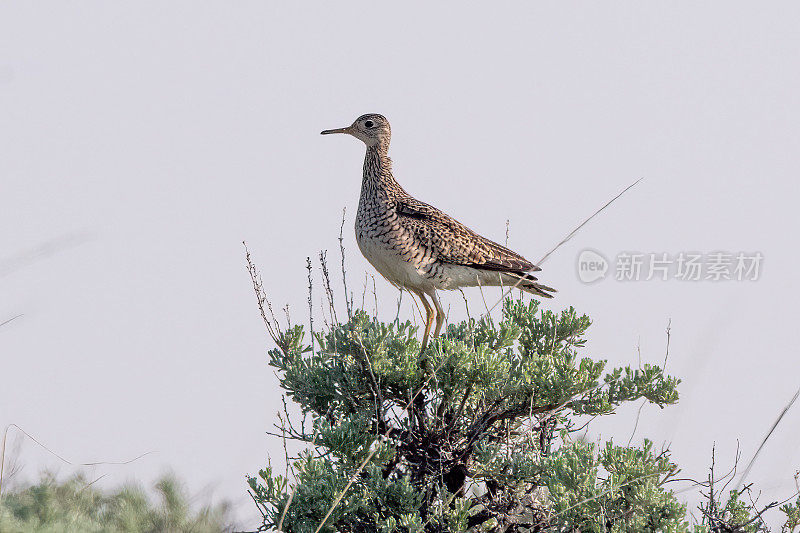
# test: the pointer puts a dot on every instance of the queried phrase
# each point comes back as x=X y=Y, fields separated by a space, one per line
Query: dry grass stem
x=565 y=239
x=54 y=454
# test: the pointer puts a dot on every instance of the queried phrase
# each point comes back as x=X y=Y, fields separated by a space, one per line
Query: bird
x=419 y=248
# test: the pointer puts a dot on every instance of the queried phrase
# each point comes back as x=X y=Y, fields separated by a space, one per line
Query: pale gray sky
x=141 y=143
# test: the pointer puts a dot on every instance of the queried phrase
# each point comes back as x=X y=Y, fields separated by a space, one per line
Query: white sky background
x=140 y=144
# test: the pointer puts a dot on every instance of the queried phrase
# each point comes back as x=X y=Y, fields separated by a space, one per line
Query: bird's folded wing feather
x=455 y=243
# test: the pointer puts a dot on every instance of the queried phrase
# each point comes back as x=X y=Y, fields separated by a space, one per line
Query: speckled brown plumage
x=418 y=247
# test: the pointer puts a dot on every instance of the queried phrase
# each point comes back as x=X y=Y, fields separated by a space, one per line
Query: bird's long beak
x=338 y=130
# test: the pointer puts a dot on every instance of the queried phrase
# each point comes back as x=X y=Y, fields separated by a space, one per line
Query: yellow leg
x=428 y=319
x=439 y=313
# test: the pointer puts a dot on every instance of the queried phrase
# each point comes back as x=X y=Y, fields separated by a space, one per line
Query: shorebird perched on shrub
x=416 y=246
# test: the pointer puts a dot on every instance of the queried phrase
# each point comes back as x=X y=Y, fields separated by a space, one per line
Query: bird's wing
x=455 y=243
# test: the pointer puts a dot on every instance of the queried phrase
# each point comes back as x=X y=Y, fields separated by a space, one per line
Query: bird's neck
x=378 y=172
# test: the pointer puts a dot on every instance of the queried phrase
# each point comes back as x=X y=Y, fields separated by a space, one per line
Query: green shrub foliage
x=75 y=505
x=478 y=434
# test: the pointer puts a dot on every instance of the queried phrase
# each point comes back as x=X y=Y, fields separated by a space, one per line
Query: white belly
x=419 y=274
x=393 y=266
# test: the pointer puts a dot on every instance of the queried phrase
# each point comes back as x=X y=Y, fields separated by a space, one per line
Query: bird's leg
x=428 y=319
x=439 y=313
x=417 y=406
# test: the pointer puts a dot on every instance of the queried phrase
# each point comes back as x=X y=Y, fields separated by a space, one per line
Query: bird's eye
x=369 y=124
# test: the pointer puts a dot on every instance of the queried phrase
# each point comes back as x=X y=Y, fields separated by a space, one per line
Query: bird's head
x=372 y=129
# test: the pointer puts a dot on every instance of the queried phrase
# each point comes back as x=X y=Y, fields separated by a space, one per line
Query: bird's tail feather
x=529 y=283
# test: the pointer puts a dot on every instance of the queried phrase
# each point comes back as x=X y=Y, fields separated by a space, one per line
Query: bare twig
x=375 y=295
x=399 y=302
x=270 y=322
x=639 y=352
x=310 y=302
x=326 y=280
x=260 y=507
x=731 y=475
x=766 y=438
x=483 y=297
x=44 y=250
x=289 y=437
x=636 y=425
x=283 y=438
x=364 y=292
x=666 y=352
x=466 y=303
x=54 y=454
x=716 y=515
x=347 y=300
x=582 y=224
x=10 y=319
x=91 y=483
x=565 y=239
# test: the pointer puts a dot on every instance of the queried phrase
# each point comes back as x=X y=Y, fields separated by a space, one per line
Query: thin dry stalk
x=639 y=352
x=364 y=291
x=565 y=239
x=483 y=296
x=3 y=460
x=3 y=323
x=91 y=483
x=766 y=438
x=636 y=424
x=287 y=315
x=261 y=509
x=719 y=520
x=466 y=303
x=270 y=322
x=399 y=303
x=375 y=295
x=54 y=454
x=348 y=300
x=283 y=438
x=666 y=352
x=582 y=224
x=310 y=302
x=325 y=323
x=326 y=280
